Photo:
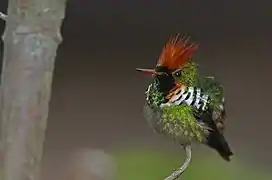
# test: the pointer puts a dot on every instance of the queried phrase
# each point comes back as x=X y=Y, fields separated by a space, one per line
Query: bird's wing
x=217 y=101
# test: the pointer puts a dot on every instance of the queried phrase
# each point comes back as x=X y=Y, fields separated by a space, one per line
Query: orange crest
x=177 y=52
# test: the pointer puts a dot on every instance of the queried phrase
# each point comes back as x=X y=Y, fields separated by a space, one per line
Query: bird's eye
x=177 y=73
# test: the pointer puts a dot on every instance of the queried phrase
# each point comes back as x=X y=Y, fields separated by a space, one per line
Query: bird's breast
x=153 y=117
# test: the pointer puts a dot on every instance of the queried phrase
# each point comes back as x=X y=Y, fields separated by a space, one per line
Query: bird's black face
x=165 y=78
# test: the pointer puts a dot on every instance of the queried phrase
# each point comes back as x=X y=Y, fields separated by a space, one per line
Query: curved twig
x=176 y=174
x=3 y=16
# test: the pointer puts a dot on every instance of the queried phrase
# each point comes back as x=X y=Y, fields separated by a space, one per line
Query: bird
x=183 y=104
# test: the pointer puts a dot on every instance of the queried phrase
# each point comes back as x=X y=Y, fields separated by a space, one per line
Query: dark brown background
x=97 y=95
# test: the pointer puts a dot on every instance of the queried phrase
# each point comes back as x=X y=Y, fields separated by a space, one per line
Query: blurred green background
x=153 y=164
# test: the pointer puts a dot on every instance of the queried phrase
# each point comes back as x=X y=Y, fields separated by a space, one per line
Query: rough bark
x=31 y=39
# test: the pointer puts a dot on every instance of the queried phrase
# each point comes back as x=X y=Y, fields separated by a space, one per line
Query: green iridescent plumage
x=178 y=121
x=190 y=75
x=155 y=97
x=215 y=90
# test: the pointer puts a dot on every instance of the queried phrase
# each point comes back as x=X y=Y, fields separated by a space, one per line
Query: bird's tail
x=218 y=142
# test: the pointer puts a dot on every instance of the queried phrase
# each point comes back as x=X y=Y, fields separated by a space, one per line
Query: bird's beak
x=147 y=71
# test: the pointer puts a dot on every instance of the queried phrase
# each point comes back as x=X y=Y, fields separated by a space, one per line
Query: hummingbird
x=183 y=105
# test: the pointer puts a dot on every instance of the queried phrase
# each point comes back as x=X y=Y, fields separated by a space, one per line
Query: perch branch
x=176 y=174
x=3 y=16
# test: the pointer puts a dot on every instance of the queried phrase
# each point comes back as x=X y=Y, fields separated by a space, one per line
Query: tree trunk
x=31 y=40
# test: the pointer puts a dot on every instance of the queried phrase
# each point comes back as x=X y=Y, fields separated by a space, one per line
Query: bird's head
x=175 y=54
